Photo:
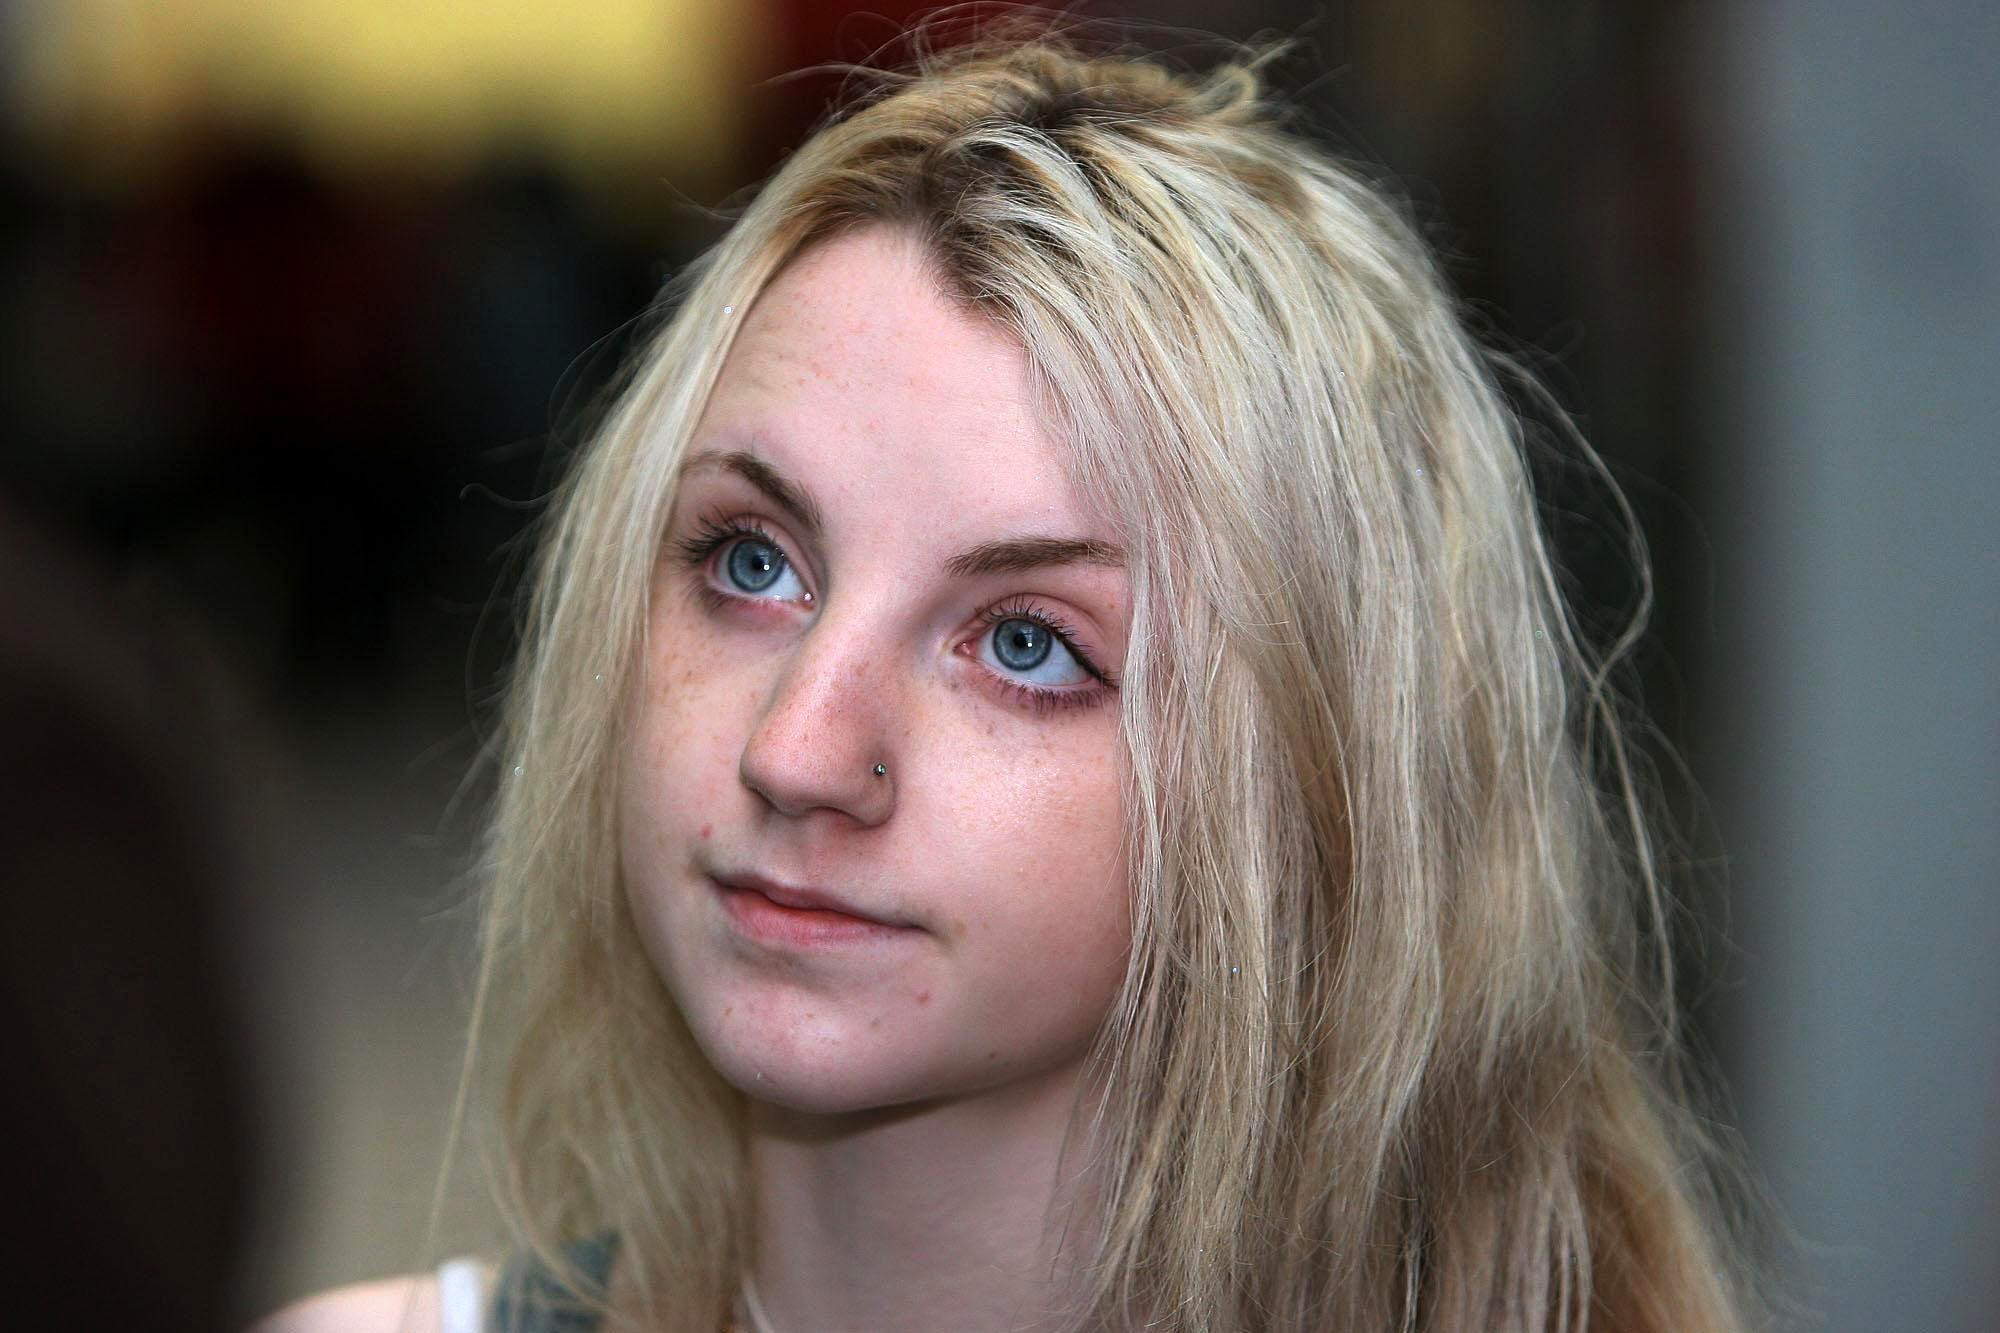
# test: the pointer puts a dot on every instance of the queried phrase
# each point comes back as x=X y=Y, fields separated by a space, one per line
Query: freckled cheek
x=682 y=741
x=702 y=703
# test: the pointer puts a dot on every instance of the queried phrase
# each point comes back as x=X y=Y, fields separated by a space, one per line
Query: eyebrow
x=1011 y=555
x=1008 y=555
x=782 y=492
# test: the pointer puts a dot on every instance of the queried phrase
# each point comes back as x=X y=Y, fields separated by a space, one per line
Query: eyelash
x=712 y=534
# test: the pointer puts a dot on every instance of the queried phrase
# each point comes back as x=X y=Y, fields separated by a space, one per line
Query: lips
x=804 y=898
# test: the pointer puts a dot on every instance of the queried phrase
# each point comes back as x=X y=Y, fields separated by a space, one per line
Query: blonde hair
x=1390 y=1053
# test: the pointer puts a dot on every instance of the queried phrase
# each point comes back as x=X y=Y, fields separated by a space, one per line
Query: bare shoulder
x=407 y=1304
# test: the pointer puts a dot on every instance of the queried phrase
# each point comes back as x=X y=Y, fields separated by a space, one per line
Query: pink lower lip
x=800 y=927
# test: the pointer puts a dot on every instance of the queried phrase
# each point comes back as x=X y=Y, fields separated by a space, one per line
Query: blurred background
x=305 y=302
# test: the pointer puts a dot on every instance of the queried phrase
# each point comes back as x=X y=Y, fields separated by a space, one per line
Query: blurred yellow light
x=603 y=85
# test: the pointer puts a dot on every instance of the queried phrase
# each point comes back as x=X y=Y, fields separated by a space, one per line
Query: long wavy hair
x=1395 y=1049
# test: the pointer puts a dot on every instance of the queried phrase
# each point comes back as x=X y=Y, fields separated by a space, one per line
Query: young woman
x=1050 y=785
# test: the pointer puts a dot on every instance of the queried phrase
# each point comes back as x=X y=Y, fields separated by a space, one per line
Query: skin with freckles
x=875 y=555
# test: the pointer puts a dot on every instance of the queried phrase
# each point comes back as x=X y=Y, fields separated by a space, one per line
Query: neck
x=941 y=1215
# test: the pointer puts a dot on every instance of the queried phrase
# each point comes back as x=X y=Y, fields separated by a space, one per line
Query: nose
x=820 y=738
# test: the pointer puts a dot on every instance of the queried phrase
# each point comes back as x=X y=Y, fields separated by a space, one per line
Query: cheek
x=1053 y=887
x=684 y=715
x=678 y=740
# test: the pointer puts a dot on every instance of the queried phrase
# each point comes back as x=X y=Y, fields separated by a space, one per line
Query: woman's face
x=875 y=558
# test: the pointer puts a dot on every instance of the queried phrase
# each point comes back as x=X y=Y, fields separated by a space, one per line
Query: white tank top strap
x=461 y=1296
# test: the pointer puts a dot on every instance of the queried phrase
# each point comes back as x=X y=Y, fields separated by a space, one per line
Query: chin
x=812 y=1087
x=817 y=1071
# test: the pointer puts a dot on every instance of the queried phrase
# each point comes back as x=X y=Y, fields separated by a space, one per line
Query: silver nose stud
x=881 y=770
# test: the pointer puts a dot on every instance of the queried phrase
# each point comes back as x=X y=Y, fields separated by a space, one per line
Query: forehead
x=869 y=307
x=854 y=368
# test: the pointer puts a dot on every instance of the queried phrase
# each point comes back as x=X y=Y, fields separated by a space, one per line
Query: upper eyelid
x=712 y=532
x=746 y=466
x=992 y=557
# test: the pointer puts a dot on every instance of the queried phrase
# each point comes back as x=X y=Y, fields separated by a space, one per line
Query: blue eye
x=754 y=564
x=1032 y=651
x=1021 y=645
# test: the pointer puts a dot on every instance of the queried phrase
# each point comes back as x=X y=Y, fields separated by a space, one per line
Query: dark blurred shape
x=808 y=43
x=129 y=1154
